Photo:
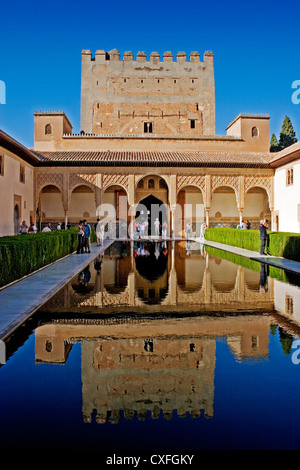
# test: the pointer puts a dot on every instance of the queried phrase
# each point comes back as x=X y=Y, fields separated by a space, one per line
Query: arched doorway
x=151 y=209
x=152 y=201
x=16 y=219
x=190 y=199
x=50 y=206
x=82 y=204
x=224 y=211
x=256 y=206
x=114 y=210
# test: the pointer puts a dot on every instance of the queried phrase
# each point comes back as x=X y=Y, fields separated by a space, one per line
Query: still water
x=158 y=346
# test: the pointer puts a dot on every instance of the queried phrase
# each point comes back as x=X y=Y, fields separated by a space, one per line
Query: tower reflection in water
x=147 y=316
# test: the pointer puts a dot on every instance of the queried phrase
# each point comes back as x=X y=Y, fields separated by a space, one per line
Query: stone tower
x=143 y=97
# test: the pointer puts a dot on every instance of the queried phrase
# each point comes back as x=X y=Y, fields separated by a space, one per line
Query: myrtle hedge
x=282 y=244
x=21 y=255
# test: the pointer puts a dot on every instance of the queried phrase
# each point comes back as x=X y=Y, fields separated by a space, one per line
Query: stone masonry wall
x=158 y=96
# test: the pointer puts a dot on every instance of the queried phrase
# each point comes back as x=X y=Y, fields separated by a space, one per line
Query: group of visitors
x=244 y=226
x=25 y=229
x=33 y=228
x=84 y=236
x=141 y=228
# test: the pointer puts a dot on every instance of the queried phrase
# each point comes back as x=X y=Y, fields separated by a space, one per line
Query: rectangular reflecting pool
x=158 y=346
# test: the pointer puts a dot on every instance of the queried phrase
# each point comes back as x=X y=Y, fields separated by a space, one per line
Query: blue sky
x=256 y=48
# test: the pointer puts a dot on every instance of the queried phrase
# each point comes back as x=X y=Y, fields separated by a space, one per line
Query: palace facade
x=148 y=140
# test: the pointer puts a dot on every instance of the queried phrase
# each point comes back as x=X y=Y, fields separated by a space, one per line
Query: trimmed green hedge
x=286 y=245
x=23 y=254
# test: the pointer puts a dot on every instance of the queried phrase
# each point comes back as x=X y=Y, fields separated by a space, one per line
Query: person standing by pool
x=87 y=234
x=156 y=227
x=188 y=230
x=263 y=235
x=80 y=235
x=98 y=232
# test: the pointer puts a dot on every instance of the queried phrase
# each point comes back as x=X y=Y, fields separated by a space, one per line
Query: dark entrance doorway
x=16 y=219
x=151 y=208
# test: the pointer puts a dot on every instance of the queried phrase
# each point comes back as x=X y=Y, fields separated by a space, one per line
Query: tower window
x=193 y=123
x=48 y=129
x=142 y=81
x=148 y=345
x=254 y=132
x=148 y=128
x=124 y=80
x=1 y=165
x=22 y=174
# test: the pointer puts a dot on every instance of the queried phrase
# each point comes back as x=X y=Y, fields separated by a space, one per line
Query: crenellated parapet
x=102 y=56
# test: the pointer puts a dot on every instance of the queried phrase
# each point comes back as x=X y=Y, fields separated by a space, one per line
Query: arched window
x=140 y=184
x=151 y=184
x=162 y=184
x=48 y=129
x=254 y=132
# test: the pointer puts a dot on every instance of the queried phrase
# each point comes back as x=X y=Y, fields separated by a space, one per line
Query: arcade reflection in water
x=145 y=277
x=148 y=316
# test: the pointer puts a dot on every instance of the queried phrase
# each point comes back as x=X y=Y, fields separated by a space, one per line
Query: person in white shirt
x=47 y=228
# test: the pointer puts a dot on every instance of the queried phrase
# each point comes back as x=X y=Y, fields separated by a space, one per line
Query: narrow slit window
x=148 y=127
x=22 y=174
x=193 y=123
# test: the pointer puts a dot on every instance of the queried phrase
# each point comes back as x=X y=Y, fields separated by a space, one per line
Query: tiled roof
x=153 y=158
x=286 y=155
x=12 y=145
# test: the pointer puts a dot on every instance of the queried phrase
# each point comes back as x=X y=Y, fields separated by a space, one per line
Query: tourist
x=24 y=228
x=80 y=235
x=32 y=228
x=248 y=225
x=188 y=231
x=102 y=233
x=156 y=227
x=98 y=232
x=263 y=235
x=146 y=227
x=202 y=230
x=87 y=235
x=243 y=225
x=58 y=226
x=47 y=228
x=164 y=230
